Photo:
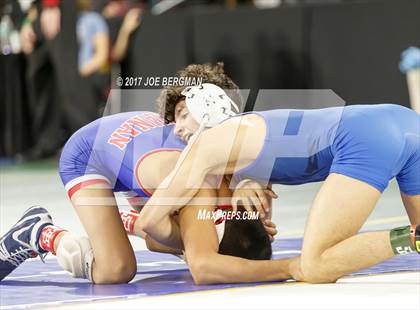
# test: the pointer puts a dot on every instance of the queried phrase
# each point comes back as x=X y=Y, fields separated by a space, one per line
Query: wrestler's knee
x=75 y=254
x=119 y=270
x=115 y=268
x=314 y=270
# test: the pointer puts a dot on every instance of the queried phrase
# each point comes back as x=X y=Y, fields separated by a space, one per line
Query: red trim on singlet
x=82 y=184
x=221 y=207
x=142 y=158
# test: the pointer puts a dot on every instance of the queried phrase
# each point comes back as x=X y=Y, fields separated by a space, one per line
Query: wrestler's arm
x=223 y=194
x=154 y=246
x=163 y=228
x=216 y=151
x=207 y=266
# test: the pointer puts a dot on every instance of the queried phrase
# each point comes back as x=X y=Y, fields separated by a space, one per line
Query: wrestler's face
x=185 y=125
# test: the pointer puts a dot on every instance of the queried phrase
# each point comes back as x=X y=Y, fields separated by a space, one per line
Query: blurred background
x=59 y=59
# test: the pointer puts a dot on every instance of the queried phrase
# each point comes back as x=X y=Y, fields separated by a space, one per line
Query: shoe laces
x=34 y=250
x=18 y=256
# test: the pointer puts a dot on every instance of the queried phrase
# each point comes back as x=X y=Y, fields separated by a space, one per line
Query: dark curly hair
x=208 y=73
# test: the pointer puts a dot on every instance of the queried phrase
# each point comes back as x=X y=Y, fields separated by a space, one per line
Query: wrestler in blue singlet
x=109 y=150
x=370 y=143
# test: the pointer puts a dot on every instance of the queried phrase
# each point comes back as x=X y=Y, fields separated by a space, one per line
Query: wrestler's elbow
x=147 y=223
x=200 y=270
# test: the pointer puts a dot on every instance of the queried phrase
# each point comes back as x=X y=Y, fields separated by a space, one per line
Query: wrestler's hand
x=270 y=228
x=253 y=195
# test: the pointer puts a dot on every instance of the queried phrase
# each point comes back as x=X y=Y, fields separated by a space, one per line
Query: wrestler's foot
x=22 y=240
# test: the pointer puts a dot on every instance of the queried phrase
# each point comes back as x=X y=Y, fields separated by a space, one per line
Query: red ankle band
x=47 y=238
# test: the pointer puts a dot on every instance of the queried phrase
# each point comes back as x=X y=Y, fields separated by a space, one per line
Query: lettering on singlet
x=133 y=127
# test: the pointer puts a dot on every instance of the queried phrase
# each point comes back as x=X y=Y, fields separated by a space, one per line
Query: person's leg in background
x=413 y=81
x=410 y=65
x=77 y=104
x=43 y=96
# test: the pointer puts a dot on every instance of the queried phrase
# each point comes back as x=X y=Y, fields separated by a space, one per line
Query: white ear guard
x=209 y=104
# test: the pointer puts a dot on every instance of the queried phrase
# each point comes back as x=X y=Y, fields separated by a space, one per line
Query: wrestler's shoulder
x=244 y=122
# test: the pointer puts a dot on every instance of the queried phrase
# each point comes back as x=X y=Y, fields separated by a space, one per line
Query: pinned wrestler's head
x=246 y=238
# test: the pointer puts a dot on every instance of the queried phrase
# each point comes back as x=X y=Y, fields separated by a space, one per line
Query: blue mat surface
x=35 y=284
